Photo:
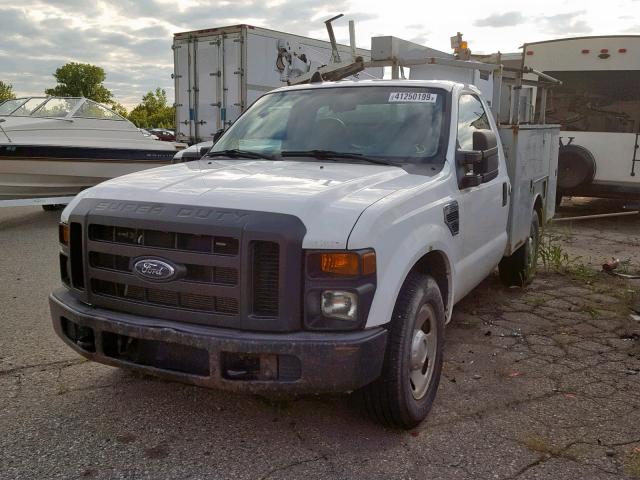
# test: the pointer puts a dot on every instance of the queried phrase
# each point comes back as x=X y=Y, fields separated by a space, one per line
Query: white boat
x=58 y=146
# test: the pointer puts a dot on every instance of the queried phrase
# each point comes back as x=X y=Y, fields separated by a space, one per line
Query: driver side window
x=471 y=117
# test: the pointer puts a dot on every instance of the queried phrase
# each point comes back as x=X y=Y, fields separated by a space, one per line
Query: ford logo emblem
x=154 y=269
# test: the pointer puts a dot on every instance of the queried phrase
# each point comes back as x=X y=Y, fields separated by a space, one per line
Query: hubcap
x=424 y=346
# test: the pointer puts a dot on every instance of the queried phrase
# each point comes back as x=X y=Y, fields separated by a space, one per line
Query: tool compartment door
x=531 y=152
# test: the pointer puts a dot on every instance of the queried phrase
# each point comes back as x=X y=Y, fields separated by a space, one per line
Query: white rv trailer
x=219 y=72
x=598 y=106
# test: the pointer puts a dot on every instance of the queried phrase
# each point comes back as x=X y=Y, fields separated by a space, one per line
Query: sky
x=131 y=39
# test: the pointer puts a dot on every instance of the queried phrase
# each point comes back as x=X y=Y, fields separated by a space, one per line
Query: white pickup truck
x=320 y=245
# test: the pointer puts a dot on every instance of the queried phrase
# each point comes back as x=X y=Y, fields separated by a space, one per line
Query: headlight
x=339 y=288
x=340 y=304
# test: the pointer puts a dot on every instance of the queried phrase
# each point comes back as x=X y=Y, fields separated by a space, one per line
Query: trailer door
x=208 y=88
x=182 y=89
x=232 y=75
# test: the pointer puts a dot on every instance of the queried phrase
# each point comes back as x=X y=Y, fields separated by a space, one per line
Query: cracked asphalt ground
x=541 y=383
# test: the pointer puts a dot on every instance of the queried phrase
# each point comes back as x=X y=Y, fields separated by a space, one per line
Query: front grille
x=266 y=277
x=208 y=282
x=195 y=273
x=189 y=242
x=232 y=268
x=168 y=298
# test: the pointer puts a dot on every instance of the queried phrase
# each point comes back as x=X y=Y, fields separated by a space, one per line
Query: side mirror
x=480 y=164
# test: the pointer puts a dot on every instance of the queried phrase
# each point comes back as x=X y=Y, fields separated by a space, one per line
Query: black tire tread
x=383 y=398
x=513 y=269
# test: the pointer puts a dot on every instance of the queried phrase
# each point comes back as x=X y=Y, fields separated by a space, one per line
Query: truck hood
x=328 y=197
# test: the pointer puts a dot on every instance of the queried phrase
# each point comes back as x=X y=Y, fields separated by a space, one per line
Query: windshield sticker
x=421 y=97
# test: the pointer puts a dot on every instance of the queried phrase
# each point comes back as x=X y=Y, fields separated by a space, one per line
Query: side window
x=471 y=117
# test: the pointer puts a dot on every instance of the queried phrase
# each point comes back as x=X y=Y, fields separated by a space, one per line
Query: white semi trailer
x=598 y=107
x=219 y=72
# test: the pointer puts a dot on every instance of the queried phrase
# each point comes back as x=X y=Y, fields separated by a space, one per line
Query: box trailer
x=218 y=72
x=598 y=106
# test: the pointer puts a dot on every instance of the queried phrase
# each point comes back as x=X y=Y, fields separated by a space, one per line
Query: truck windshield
x=397 y=124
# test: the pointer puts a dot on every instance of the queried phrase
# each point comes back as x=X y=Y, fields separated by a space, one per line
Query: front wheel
x=519 y=269
x=404 y=393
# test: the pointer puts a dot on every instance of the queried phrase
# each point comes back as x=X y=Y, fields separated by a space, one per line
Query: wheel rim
x=424 y=345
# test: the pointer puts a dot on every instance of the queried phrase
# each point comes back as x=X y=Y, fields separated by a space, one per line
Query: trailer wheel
x=520 y=268
x=403 y=394
x=576 y=167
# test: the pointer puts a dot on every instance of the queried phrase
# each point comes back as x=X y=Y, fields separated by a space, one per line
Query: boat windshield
x=91 y=109
x=20 y=106
x=56 y=107
x=399 y=124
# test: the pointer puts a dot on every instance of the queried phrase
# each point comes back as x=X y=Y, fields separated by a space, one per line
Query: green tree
x=154 y=111
x=119 y=109
x=6 y=91
x=81 y=80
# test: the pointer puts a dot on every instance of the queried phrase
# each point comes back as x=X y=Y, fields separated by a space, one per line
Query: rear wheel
x=520 y=268
x=404 y=393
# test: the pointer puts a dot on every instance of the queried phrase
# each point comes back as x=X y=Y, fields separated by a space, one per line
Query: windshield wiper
x=237 y=153
x=330 y=154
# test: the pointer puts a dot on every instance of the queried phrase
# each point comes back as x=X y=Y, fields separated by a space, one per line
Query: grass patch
x=551 y=253
x=631 y=464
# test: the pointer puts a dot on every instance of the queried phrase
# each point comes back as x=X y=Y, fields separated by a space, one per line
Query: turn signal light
x=341 y=264
x=63 y=233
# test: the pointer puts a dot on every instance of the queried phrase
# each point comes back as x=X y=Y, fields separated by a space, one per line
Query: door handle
x=505 y=194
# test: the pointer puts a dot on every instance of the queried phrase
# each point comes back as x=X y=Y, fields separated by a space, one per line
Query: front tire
x=519 y=269
x=403 y=394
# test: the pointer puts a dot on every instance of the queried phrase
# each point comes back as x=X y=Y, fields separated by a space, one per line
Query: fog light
x=340 y=304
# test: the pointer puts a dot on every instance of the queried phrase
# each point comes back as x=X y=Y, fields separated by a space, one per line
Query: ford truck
x=319 y=246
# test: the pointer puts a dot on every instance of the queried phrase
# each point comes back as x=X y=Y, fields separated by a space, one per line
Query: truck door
x=483 y=208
